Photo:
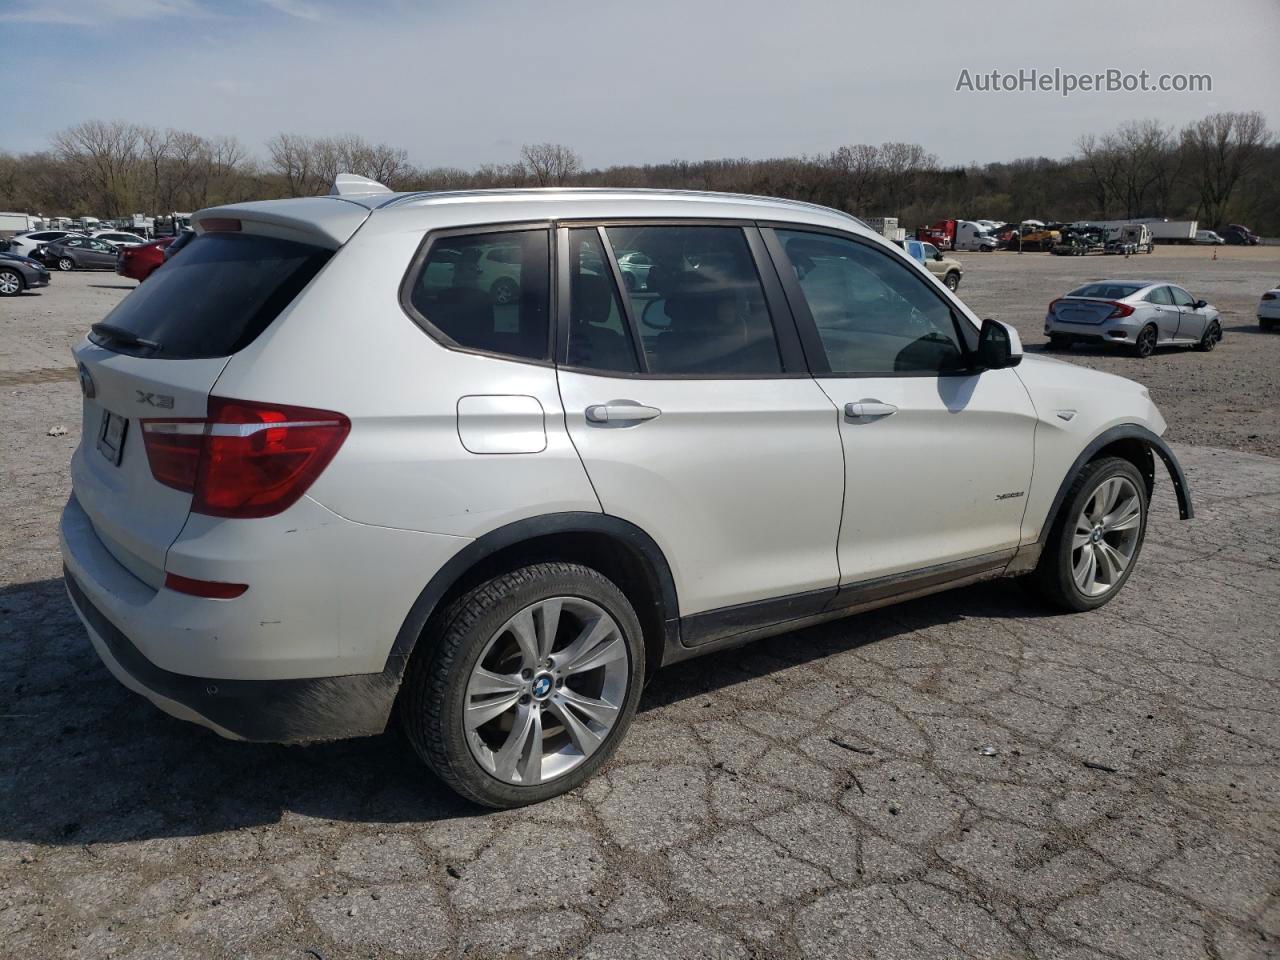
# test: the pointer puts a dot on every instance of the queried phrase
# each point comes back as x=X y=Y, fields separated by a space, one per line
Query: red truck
x=941 y=234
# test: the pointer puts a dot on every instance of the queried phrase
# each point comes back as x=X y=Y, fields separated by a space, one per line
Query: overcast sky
x=464 y=83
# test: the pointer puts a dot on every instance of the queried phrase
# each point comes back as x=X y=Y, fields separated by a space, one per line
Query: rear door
x=156 y=357
x=690 y=404
x=937 y=456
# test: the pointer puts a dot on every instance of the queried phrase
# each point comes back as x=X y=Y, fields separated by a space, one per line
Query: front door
x=689 y=404
x=937 y=457
x=1191 y=320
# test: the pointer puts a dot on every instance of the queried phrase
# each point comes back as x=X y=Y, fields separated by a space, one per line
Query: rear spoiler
x=322 y=221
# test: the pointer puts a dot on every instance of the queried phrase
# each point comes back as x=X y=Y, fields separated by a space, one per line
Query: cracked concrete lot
x=967 y=775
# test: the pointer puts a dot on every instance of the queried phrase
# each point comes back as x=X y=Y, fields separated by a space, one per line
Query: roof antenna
x=348 y=184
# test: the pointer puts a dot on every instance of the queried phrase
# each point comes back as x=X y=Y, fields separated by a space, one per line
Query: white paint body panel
x=922 y=483
x=738 y=481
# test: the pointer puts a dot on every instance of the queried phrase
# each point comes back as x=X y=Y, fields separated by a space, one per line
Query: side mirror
x=999 y=346
x=1201 y=304
x=937 y=256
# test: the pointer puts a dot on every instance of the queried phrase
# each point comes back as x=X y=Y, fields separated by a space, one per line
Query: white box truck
x=1162 y=231
x=971 y=235
x=11 y=223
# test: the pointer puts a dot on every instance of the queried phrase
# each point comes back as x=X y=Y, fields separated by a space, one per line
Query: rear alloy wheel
x=952 y=281
x=1212 y=334
x=1145 y=345
x=531 y=686
x=10 y=283
x=66 y=264
x=1096 y=536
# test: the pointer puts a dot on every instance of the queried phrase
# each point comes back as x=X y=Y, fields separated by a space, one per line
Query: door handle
x=620 y=411
x=869 y=408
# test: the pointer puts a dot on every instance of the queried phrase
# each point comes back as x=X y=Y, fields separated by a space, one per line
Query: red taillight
x=247 y=459
x=212 y=589
x=1121 y=310
x=1054 y=303
x=173 y=450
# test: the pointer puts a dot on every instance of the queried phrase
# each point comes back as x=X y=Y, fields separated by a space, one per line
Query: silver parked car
x=1140 y=314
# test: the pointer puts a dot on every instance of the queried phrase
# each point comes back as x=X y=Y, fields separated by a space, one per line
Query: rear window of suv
x=215 y=299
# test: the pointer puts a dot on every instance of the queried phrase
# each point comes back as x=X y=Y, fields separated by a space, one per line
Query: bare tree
x=550 y=164
x=1222 y=148
x=103 y=156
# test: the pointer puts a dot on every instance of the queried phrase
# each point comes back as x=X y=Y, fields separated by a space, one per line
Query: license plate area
x=111 y=436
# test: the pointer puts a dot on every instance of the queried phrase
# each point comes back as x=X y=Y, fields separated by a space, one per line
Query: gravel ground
x=1228 y=398
x=960 y=776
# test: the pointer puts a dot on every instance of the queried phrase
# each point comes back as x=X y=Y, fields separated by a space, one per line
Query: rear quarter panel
x=347 y=345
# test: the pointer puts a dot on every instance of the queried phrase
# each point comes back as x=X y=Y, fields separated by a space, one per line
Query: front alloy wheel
x=1212 y=336
x=10 y=283
x=1095 y=539
x=1106 y=536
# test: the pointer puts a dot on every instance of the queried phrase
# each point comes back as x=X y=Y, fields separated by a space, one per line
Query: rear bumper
x=305 y=654
x=276 y=711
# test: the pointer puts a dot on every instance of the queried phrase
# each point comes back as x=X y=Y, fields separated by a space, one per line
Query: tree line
x=1222 y=168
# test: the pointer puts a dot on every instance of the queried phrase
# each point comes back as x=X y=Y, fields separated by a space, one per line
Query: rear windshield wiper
x=127 y=337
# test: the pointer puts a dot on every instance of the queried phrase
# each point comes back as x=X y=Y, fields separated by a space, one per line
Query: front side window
x=697 y=300
x=874 y=314
x=1181 y=298
x=487 y=292
x=931 y=252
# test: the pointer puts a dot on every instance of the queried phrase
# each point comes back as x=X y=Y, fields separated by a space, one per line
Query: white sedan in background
x=1269 y=309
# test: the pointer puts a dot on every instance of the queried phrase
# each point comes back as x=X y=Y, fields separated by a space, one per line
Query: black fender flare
x=626 y=533
x=1124 y=431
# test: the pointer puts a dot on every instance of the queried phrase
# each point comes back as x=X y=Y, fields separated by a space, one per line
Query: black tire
x=1059 y=342
x=11 y=283
x=1052 y=579
x=952 y=281
x=433 y=695
x=1145 y=344
x=66 y=264
x=1267 y=323
x=504 y=290
x=1212 y=334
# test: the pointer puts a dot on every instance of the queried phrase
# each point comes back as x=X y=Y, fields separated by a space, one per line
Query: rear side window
x=599 y=337
x=488 y=292
x=226 y=289
x=697 y=300
x=1158 y=295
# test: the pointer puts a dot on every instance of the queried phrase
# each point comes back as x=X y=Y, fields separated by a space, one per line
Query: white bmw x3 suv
x=329 y=473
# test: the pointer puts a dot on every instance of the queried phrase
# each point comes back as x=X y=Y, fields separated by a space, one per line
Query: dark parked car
x=1239 y=236
x=79 y=253
x=18 y=273
x=138 y=263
